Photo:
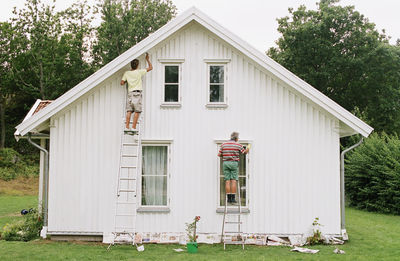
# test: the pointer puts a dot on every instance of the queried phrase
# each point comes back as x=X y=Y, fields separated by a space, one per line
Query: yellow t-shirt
x=134 y=79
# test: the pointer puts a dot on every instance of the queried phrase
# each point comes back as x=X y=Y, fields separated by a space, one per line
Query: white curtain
x=154 y=176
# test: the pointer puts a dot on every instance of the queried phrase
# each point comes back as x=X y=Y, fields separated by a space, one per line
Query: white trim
x=171 y=60
x=193 y=14
x=30 y=113
x=211 y=60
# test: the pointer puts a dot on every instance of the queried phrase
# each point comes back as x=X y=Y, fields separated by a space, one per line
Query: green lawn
x=372 y=237
x=11 y=206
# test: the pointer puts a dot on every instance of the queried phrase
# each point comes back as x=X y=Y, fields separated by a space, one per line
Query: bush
x=23 y=230
x=373 y=175
x=12 y=164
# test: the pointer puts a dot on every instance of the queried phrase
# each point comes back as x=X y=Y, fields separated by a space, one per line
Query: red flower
x=197 y=218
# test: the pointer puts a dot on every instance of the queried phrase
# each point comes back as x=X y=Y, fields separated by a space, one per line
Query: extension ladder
x=232 y=223
x=129 y=167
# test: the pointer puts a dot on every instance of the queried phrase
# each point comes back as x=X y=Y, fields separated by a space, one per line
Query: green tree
x=127 y=22
x=332 y=48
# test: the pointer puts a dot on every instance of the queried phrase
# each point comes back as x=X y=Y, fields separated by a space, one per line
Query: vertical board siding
x=85 y=140
x=294 y=161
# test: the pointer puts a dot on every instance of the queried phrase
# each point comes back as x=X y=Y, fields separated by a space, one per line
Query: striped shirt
x=230 y=151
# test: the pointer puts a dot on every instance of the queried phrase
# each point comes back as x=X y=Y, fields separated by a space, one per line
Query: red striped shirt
x=230 y=151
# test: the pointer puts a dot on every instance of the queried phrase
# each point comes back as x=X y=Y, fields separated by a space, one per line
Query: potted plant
x=191 y=233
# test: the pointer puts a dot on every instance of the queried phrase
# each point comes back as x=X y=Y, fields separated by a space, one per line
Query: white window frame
x=161 y=208
x=172 y=62
x=225 y=64
x=245 y=209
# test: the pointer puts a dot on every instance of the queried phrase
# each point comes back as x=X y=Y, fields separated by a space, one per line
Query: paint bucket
x=192 y=247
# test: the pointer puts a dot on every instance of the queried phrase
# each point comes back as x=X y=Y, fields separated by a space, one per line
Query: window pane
x=171 y=93
x=154 y=175
x=154 y=191
x=216 y=74
x=171 y=74
x=216 y=93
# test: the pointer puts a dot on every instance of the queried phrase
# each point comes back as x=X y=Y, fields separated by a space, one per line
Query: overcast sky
x=255 y=20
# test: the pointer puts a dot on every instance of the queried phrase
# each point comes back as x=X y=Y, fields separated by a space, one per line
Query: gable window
x=216 y=83
x=171 y=83
x=154 y=189
x=217 y=76
x=243 y=178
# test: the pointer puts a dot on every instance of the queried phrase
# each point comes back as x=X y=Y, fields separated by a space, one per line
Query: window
x=171 y=83
x=216 y=83
x=243 y=177
x=154 y=181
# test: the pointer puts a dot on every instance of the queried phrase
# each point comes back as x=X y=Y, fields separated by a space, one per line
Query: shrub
x=12 y=164
x=373 y=175
x=23 y=230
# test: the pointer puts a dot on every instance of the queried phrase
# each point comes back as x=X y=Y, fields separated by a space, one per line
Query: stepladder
x=126 y=194
x=232 y=225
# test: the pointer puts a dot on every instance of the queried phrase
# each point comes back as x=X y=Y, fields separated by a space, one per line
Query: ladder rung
x=129 y=144
x=129 y=155
x=132 y=167
x=233 y=222
x=124 y=215
x=127 y=190
x=233 y=232
x=127 y=179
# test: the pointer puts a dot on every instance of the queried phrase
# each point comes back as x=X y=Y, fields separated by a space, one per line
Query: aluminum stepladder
x=229 y=222
x=126 y=201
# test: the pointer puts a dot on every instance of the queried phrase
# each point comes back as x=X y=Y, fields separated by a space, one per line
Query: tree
x=127 y=22
x=332 y=49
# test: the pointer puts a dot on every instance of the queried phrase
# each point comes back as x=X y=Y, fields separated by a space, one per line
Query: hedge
x=372 y=175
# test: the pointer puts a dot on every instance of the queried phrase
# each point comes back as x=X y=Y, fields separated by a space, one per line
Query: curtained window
x=154 y=175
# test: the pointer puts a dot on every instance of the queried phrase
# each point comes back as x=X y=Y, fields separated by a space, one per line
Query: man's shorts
x=134 y=102
x=231 y=170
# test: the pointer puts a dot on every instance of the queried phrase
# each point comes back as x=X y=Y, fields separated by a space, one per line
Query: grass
x=372 y=237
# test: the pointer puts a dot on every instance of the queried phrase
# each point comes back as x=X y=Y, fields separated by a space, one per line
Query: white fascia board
x=105 y=72
x=285 y=75
x=30 y=113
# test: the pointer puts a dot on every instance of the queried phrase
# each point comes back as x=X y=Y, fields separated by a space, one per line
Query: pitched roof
x=351 y=124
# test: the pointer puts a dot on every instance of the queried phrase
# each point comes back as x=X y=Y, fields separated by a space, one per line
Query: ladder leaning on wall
x=126 y=201
x=232 y=233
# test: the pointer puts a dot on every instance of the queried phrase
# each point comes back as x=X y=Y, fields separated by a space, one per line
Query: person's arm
x=122 y=82
x=247 y=149
x=150 y=67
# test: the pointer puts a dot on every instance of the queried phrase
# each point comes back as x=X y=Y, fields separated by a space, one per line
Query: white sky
x=255 y=20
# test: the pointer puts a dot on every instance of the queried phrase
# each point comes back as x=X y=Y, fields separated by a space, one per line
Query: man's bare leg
x=233 y=186
x=135 y=119
x=128 y=119
x=227 y=186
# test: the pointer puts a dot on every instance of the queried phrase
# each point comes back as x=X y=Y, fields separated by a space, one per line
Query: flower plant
x=191 y=229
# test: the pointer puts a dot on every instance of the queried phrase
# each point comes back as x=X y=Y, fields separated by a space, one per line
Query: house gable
x=349 y=124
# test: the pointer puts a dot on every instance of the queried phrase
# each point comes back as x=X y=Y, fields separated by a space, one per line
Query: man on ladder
x=134 y=97
x=230 y=152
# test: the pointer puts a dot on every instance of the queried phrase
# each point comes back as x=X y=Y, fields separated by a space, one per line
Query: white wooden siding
x=294 y=164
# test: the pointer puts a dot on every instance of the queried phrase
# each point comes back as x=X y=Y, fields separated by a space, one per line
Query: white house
x=205 y=84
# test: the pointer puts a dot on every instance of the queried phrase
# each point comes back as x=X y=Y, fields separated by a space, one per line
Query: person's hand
x=147 y=56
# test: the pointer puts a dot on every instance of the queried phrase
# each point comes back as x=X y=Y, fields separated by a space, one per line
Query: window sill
x=217 y=106
x=153 y=209
x=170 y=105
x=233 y=209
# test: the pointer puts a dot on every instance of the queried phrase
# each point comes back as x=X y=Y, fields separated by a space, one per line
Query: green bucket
x=192 y=247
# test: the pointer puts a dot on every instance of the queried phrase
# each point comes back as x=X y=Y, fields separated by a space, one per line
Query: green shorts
x=231 y=170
